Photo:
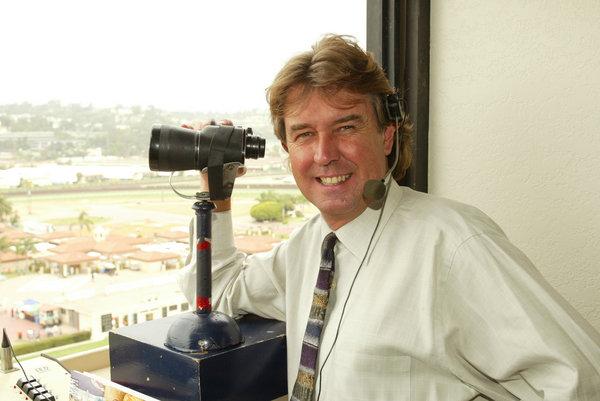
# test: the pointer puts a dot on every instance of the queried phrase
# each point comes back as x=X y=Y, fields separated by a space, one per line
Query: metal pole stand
x=203 y=329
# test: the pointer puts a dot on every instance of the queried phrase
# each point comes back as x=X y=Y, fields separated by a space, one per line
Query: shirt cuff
x=222 y=232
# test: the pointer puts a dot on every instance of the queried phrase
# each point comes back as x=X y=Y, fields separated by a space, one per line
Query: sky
x=178 y=55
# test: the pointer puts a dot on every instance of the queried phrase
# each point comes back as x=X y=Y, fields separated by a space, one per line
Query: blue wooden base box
x=252 y=371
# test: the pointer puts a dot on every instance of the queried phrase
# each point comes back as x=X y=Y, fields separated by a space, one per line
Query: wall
x=15 y=266
x=515 y=129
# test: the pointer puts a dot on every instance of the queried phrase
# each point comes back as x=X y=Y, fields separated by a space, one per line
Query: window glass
x=106 y=322
x=85 y=227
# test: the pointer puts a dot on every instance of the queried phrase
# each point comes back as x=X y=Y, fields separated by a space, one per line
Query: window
x=106 y=322
x=74 y=140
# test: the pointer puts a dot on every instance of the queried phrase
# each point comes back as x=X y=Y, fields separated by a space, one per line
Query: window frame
x=398 y=35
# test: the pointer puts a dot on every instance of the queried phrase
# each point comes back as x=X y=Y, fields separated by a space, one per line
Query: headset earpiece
x=393 y=105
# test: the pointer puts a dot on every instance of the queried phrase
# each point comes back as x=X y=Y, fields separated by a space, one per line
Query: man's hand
x=220 y=205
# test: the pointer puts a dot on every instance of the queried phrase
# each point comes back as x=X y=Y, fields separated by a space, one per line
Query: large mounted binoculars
x=179 y=149
x=217 y=148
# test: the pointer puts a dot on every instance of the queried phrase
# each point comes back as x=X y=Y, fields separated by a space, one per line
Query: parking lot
x=22 y=329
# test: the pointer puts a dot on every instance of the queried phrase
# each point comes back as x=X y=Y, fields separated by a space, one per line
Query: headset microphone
x=374 y=193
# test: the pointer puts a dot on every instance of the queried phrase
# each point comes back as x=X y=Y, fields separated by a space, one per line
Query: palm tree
x=4 y=244
x=14 y=218
x=5 y=209
x=85 y=221
x=25 y=246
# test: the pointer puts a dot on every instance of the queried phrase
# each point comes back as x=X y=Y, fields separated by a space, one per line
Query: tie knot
x=328 y=244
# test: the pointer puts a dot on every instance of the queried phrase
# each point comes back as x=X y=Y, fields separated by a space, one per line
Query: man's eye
x=303 y=135
x=347 y=128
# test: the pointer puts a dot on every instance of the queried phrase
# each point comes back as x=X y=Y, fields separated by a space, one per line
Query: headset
x=375 y=191
x=374 y=194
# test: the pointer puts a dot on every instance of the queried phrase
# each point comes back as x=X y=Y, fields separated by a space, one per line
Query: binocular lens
x=178 y=149
x=255 y=147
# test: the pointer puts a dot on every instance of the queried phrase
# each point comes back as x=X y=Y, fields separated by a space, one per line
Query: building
x=38 y=140
x=11 y=262
x=152 y=262
x=102 y=303
x=69 y=263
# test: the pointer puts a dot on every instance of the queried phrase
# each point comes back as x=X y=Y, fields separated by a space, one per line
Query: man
x=428 y=300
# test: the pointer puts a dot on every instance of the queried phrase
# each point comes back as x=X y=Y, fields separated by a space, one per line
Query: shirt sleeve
x=508 y=333
x=241 y=284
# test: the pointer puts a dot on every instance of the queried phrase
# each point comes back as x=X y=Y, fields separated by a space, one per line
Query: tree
x=288 y=201
x=14 y=218
x=25 y=183
x=85 y=221
x=274 y=207
x=4 y=244
x=6 y=209
x=267 y=211
x=25 y=246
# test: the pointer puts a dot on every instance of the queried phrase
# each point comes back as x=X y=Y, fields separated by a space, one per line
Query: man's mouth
x=338 y=179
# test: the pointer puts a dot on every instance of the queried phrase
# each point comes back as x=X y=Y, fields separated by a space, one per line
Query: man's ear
x=284 y=146
x=388 y=138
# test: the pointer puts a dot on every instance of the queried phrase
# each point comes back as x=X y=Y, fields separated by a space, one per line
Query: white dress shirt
x=444 y=307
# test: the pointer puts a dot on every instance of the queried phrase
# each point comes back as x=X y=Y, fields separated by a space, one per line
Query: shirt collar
x=356 y=235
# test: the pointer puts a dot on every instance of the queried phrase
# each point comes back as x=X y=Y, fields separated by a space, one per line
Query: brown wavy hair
x=335 y=63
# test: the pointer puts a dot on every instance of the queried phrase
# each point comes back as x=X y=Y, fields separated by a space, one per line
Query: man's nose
x=326 y=150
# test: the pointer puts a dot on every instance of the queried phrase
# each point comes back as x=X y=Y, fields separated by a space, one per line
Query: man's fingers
x=201 y=124
x=241 y=171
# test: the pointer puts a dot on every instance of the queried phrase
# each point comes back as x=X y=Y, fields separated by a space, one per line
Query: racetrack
x=142 y=211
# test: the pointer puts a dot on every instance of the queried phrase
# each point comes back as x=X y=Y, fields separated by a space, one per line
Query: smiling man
x=335 y=146
x=411 y=297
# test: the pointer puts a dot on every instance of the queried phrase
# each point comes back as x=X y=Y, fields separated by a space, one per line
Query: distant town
x=90 y=238
x=54 y=131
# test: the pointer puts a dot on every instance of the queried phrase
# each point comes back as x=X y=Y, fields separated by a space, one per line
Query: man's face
x=334 y=147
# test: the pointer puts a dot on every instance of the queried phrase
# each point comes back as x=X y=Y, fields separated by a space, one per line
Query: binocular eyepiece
x=178 y=149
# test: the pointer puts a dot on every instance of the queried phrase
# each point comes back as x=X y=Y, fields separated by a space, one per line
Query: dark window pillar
x=398 y=36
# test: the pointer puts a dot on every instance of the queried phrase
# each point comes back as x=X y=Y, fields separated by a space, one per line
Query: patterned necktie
x=305 y=382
